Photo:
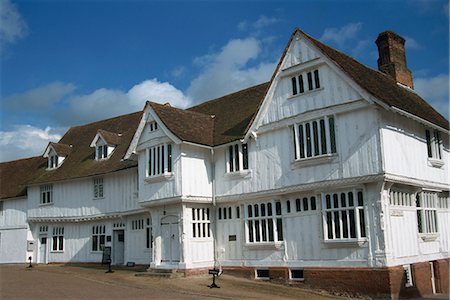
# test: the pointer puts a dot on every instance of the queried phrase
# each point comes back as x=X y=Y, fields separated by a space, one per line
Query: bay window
x=159 y=160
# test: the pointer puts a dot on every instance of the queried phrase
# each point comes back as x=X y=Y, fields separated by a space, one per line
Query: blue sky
x=66 y=63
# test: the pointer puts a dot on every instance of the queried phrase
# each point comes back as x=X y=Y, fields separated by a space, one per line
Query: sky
x=68 y=63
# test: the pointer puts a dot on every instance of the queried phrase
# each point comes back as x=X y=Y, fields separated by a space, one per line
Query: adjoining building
x=332 y=173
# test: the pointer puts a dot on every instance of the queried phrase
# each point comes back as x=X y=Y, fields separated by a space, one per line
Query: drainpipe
x=213 y=178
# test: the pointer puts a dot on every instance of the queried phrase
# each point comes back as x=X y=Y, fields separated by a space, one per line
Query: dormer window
x=102 y=152
x=104 y=143
x=309 y=80
x=53 y=161
x=56 y=153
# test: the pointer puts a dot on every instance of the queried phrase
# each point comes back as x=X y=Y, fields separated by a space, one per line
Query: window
x=264 y=222
x=159 y=160
x=201 y=226
x=408 y=275
x=98 y=188
x=262 y=274
x=305 y=203
x=148 y=234
x=153 y=126
x=314 y=138
x=434 y=144
x=237 y=157
x=102 y=152
x=343 y=215
x=46 y=194
x=98 y=237
x=296 y=274
x=58 y=239
x=444 y=200
x=226 y=213
x=137 y=224
x=1 y=208
x=426 y=203
x=43 y=229
x=399 y=198
x=53 y=161
x=298 y=85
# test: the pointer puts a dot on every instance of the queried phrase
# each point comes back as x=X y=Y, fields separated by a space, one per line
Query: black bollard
x=30 y=266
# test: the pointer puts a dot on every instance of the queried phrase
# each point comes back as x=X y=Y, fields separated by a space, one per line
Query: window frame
x=201 y=223
x=297 y=82
x=427 y=214
x=57 y=239
x=435 y=149
x=355 y=214
x=162 y=155
x=46 y=194
x=98 y=238
x=268 y=218
x=237 y=158
x=98 y=188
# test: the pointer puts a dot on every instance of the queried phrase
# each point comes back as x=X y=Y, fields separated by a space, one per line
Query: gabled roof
x=110 y=138
x=187 y=125
x=81 y=161
x=15 y=175
x=61 y=150
x=382 y=86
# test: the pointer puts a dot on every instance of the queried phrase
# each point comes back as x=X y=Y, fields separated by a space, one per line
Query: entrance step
x=161 y=273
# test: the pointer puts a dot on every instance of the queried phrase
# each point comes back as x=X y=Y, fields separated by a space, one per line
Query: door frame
x=114 y=245
x=45 y=260
x=173 y=222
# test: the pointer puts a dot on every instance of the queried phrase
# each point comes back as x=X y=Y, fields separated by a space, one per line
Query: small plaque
x=214 y=272
x=232 y=238
x=130 y=264
x=397 y=213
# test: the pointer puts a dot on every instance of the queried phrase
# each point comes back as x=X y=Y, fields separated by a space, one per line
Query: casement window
x=148 y=234
x=201 y=224
x=310 y=80
x=237 y=157
x=399 y=198
x=264 y=222
x=43 y=229
x=427 y=203
x=137 y=224
x=53 y=161
x=434 y=144
x=408 y=276
x=343 y=215
x=305 y=204
x=98 y=237
x=159 y=160
x=314 y=138
x=58 y=239
x=46 y=194
x=98 y=188
x=153 y=126
x=444 y=200
x=225 y=213
x=102 y=152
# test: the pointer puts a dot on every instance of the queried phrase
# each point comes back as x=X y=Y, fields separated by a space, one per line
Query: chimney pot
x=392 y=58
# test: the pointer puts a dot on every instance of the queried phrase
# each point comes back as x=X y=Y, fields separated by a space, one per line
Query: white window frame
x=98 y=188
x=315 y=138
x=53 y=161
x=264 y=221
x=98 y=238
x=300 y=82
x=408 y=276
x=101 y=152
x=162 y=154
x=153 y=126
x=427 y=205
x=46 y=194
x=237 y=158
x=58 y=239
x=201 y=224
x=334 y=214
x=148 y=234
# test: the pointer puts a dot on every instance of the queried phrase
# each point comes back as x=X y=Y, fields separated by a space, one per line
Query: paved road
x=69 y=282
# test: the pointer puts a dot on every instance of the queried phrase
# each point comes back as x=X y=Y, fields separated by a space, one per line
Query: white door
x=118 y=247
x=43 y=249
x=170 y=244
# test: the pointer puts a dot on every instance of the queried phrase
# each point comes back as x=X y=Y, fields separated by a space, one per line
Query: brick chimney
x=392 y=58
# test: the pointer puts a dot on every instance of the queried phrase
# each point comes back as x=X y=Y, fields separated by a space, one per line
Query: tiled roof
x=111 y=138
x=14 y=175
x=81 y=161
x=382 y=86
x=187 y=125
x=61 y=149
x=233 y=113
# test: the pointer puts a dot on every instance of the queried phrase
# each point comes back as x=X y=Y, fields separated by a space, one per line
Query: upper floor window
x=434 y=144
x=237 y=157
x=1 y=208
x=53 y=161
x=427 y=203
x=153 y=126
x=309 y=80
x=58 y=239
x=46 y=192
x=102 y=152
x=98 y=188
x=201 y=225
x=159 y=160
x=264 y=222
x=343 y=216
x=314 y=138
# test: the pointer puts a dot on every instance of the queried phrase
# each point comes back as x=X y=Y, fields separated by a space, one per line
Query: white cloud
x=340 y=36
x=411 y=44
x=436 y=91
x=25 y=141
x=13 y=27
x=228 y=70
x=260 y=23
x=157 y=91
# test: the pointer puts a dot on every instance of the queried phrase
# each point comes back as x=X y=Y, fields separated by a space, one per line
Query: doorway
x=170 y=240
x=118 y=247
x=43 y=249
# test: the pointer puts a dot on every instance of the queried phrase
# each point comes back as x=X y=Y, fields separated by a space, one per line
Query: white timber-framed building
x=330 y=168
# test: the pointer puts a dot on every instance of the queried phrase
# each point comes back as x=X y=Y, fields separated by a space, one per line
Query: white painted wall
x=196 y=171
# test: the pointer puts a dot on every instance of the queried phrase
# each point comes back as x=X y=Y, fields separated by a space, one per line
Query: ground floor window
x=201 y=224
x=148 y=234
x=427 y=203
x=58 y=239
x=98 y=237
x=264 y=222
x=343 y=215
